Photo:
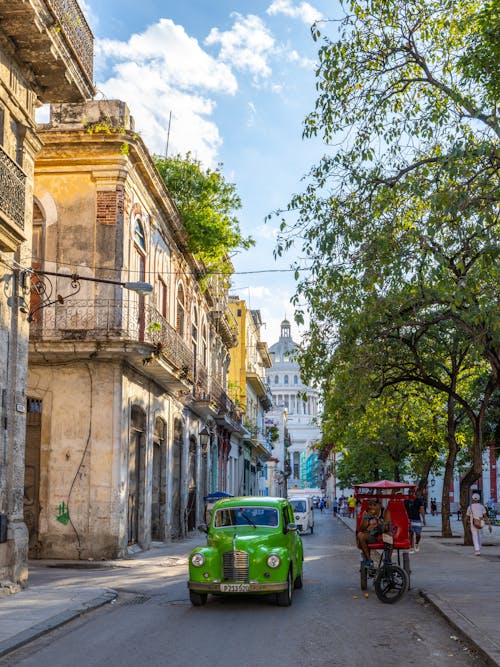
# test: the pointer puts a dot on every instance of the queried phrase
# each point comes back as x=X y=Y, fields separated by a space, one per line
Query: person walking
x=477 y=516
x=416 y=513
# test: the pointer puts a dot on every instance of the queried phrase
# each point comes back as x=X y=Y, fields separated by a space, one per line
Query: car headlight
x=197 y=559
x=273 y=561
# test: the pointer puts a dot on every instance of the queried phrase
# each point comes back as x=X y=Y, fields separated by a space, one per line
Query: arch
x=136 y=474
x=177 y=527
x=191 y=484
x=158 y=480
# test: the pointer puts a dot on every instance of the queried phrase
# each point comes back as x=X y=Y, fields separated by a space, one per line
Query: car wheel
x=284 y=599
x=198 y=599
x=312 y=529
x=298 y=583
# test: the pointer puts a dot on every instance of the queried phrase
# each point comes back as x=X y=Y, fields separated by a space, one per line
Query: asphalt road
x=330 y=622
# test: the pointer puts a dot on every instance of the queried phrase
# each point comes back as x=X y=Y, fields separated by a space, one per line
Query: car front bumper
x=251 y=587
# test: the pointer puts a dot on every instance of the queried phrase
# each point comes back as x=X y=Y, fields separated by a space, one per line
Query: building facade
x=249 y=390
x=44 y=57
x=301 y=405
x=121 y=383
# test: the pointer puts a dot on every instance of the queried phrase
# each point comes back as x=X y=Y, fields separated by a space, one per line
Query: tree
x=410 y=192
x=206 y=203
x=399 y=220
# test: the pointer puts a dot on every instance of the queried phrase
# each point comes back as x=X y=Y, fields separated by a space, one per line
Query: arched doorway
x=191 y=506
x=136 y=473
x=158 y=482
x=177 y=528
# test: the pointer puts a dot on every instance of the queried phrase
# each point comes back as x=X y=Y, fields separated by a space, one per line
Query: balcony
x=225 y=326
x=12 y=203
x=53 y=41
x=120 y=327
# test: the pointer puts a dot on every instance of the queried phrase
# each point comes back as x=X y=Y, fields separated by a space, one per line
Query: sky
x=231 y=82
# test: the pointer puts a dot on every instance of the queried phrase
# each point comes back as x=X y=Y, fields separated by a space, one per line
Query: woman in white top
x=477 y=513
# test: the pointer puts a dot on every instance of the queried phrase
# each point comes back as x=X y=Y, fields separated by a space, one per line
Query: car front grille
x=235 y=566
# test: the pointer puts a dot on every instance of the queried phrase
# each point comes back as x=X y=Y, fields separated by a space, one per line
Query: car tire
x=312 y=529
x=284 y=599
x=198 y=599
x=298 y=583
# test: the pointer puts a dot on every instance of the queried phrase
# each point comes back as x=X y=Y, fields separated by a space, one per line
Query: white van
x=303 y=513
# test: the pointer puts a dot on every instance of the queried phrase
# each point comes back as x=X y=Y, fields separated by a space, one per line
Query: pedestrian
x=477 y=516
x=321 y=505
x=415 y=509
x=335 y=507
x=434 y=507
x=351 y=505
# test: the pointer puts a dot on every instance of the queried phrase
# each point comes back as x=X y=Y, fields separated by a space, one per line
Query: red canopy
x=385 y=484
x=384 y=488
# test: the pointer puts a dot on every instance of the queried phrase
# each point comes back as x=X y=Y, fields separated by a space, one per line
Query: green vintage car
x=252 y=547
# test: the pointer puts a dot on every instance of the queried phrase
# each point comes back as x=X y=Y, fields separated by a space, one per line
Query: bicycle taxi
x=391 y=580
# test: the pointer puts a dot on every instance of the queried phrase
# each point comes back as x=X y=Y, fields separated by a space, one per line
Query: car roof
x=262 y=501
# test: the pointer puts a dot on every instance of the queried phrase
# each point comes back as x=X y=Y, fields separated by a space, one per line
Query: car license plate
x=234 y=588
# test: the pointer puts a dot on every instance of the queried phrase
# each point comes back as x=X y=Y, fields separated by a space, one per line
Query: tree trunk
x=449 y=467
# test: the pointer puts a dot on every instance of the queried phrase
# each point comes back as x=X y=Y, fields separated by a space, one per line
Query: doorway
x=31 y=499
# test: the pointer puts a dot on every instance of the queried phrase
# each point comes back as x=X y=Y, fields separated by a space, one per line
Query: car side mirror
x=291 y=527
x=203 y=528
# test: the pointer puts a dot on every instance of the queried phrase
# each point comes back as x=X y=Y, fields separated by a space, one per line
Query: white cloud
x=247 y=46
x=303 y=11
x=266 y=231
x=164 y=70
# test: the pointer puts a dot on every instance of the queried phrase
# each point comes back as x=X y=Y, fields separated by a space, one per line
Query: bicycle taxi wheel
x=391 y=583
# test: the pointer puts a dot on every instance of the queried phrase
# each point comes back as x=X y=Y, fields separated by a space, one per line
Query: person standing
x=415 y=509
x=477 y=516
x=351 y=505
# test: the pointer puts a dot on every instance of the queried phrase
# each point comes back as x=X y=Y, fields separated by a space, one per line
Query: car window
x=298 y=505
x=246 y=516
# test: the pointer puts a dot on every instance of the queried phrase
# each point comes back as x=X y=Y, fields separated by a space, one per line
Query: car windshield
x=298 y=505
x=245 y=516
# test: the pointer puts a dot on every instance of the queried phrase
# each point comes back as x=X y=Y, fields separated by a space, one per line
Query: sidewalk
x=462 y=587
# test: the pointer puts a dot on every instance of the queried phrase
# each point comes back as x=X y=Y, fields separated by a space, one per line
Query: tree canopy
x=207 y=204
x=398 y=220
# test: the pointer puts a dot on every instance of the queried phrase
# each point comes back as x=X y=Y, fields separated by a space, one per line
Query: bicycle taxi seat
x=400 y=524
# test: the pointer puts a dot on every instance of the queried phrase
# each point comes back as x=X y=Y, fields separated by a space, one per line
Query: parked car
x=253 y=546
x=303 y=512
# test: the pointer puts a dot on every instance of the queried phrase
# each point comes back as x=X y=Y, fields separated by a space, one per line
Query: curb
x=489 y=650
x=9 y=645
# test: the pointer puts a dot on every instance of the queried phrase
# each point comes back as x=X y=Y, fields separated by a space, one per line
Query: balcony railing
x=12 y=190
x=113 y=319
x=76 y=31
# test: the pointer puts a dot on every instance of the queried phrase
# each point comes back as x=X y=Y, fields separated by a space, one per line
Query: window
x=180 y=322
x=295 y=379
x=204 y=345
x=286 y=379
x=139 y=236
x=276 y=379
x=162 y=298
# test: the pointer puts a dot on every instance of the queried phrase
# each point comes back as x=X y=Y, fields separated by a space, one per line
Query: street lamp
x=204 y=436
x=45 y=292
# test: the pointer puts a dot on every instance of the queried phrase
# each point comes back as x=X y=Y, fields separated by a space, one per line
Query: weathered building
x=249 y=389
x=120 y=383
x=46 y=55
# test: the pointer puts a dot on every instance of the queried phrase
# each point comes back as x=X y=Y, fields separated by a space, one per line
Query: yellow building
x=249 y=390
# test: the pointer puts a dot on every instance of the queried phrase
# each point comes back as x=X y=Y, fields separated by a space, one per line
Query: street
x=329 y=623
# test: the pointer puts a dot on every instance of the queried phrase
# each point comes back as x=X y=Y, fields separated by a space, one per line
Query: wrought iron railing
x=95 y=319
x=12 y=189
x=73 y=25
